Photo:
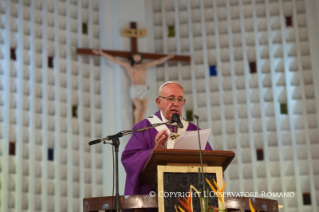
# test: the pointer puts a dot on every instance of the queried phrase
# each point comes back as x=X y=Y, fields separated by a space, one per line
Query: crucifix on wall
x=135 y=68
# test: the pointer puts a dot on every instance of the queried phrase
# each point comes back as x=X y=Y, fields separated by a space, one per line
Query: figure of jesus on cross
x=136 y=70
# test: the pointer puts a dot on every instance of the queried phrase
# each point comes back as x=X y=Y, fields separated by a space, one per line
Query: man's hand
x=161 y=139
x=170 y=56
x=97 y=51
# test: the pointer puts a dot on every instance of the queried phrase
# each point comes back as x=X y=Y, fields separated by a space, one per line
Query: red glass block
x=12 y=148
x=50 y=62
x=13 y=54
x=253 y=67
x=288 y=21
x=260 y=154
x=306 y=198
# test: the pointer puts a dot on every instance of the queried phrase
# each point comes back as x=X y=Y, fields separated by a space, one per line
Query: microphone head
x=95 y=142
x=176 y=119
x=195 y=116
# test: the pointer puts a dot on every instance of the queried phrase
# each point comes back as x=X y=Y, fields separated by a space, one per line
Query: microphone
x=199 y=143
x=201 y=182
x=176 y=119
x=95 y=142
x=110 y=137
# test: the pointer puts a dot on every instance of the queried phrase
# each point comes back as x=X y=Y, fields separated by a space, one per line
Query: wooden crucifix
x=135 y=68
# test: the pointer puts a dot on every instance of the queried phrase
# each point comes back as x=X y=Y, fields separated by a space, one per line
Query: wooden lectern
x=173 y=157
x=183 y=157
x=176 y=170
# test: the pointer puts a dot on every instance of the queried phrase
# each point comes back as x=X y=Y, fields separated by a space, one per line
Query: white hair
x=167 y=83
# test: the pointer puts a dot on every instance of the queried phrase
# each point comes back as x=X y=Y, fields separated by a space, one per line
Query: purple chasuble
x=136 y=153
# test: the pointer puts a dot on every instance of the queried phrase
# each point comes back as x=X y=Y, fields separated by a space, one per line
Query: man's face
x=137 y=58
x=171 y=91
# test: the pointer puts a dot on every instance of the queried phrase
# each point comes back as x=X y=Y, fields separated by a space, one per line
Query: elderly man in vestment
x=170 y=100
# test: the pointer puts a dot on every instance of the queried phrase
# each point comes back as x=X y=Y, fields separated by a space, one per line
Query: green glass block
x=189 y=115
x=283 y=108
x=75 y=111
x=84 y=28
x=171 y=31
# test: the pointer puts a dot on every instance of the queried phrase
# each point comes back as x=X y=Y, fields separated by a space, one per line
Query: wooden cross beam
x=126 y=54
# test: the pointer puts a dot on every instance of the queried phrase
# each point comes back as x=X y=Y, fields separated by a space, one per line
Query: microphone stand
x=116 y=143
x=201 y=179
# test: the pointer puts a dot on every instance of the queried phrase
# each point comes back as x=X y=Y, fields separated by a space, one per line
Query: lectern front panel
x=178 y=183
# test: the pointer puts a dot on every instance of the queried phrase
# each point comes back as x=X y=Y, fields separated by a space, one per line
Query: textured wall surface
x=253 y=80
x=50 y=105
x=252 y=83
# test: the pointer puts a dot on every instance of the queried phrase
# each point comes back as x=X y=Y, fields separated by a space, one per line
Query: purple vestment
x=136 y=153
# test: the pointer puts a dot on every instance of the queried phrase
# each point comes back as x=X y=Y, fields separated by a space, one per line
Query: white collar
x=165 y=120
x=163 y=117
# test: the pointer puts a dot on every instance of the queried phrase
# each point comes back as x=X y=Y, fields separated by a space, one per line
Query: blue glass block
x=212 y=71
x=50 y=154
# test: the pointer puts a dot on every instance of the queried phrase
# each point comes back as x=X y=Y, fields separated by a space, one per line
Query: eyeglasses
x=172 y=99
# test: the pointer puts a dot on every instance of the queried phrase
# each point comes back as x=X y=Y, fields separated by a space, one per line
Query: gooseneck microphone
x=110 y=137
x=177 y=119
x=95 y=142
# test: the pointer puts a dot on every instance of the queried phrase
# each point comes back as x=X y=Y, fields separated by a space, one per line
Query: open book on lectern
x=189 y=140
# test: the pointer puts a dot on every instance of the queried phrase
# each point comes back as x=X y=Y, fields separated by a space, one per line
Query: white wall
x=241 y=108
x=36 y=101
x=232 y=103
x=36 y=105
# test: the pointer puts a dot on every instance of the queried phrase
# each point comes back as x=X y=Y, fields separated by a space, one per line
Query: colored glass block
x=50 y=62
x=288 y=21
x=212 y=71
x=283 y=108
x=260 y=154
x=171 y=31
x=75 y=111
x=13 y=54
x=50 y=154
x=84 y=28
x=306 y=198
x=252 y=67
x=189 y=115
x=12 y=148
